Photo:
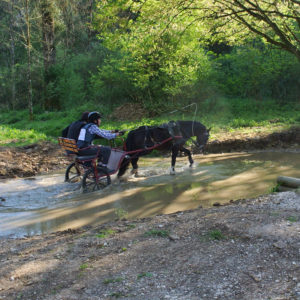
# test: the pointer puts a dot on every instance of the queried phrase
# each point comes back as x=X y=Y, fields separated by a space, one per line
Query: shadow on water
x=48 y=204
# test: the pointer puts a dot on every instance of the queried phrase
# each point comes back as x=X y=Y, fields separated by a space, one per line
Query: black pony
x=166 y=137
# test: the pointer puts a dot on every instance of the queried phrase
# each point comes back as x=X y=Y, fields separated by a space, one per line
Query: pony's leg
x=135 y=166
x=188 y=153
x=124 y=167
x=175 y=151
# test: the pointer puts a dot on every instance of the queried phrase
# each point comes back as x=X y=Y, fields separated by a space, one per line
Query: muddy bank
x=246 y=250
x=233 y=143
x=40 y=158
x=31 y=160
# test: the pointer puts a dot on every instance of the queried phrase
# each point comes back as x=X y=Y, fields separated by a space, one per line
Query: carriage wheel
x=73 y=173
x=89 y=182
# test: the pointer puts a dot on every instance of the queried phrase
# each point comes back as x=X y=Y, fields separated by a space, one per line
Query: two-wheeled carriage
x=93 y=176
x=89 y=171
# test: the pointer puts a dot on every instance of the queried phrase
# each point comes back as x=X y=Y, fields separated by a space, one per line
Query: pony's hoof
x=134 y=173
x=122 y=179
x=192 y=165
x=172 y=171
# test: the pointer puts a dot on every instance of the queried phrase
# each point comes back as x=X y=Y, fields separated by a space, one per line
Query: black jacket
x=73 y=130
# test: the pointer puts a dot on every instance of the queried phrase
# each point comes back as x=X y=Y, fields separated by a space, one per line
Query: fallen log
x=283 y=188
x=288 y=181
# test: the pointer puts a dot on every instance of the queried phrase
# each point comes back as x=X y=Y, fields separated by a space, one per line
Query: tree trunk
x=28 y=44
x=12 y=54
x=289 y=181
x=49 y=51
x=48 y=34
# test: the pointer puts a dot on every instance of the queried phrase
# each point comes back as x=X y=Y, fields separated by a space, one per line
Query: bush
x=258 y=71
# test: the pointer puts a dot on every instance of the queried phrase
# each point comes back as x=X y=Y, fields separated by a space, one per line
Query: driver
x=89 y=132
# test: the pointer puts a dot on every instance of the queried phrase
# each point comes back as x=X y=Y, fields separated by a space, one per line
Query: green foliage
x=130 y=226
x=157 y=233
x=216 y=235
x=162 y=54
x=83 y=267
x=220 y=113
x=18 y=137
x=257 y=71
x=275 y=188
x=117 y=294
x=144 y=274
x=292 y=219
x=105 y=233
x=113 y=280
x=121 y=213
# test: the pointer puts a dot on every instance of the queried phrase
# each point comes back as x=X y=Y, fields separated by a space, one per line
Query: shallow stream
x=46 y=203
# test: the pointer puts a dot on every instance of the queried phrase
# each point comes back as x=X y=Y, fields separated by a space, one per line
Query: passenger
x=89 y=132
x=73 y=130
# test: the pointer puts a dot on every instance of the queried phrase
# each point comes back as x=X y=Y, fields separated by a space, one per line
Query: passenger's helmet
x=94 y=115
x=85 y=116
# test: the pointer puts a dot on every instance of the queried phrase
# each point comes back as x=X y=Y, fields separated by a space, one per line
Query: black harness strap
x=148 y=141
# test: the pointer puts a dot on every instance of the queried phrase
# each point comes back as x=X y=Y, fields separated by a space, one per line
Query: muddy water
x=45 y=203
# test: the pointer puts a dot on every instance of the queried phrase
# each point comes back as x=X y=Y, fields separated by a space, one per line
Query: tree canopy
x=233 y=21
x=55 y=54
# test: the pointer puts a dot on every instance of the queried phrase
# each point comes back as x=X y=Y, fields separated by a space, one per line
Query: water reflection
x=48 y=204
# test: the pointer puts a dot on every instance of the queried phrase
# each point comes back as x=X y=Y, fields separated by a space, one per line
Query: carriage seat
x=86 y=157
x=71 y=148
x=69 y=145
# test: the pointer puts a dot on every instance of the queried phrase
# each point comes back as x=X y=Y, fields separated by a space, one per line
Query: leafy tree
x=277 y=22
x=159 y=59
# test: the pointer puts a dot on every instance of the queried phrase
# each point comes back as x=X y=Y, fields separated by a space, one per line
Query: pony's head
x=202 y=139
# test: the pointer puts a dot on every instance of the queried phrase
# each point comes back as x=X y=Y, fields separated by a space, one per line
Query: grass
x=105 y=233
x=112 y=280
x=121 y=213
x=215 y=235
x=226 y=115
x=18 y=137
x=292 y=219
x=144 y=274
x=130 y=226
x=157 y=233
x=83 y=267
x=275 y=189
x=117 y=294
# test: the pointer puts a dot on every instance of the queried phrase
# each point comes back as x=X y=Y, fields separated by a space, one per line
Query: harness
x=174 y=130
x=148 y=141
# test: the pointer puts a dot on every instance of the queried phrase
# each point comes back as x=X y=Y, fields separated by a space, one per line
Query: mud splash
x=45 y=204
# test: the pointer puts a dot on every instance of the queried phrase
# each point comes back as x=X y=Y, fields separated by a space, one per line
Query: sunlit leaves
x=277 y=22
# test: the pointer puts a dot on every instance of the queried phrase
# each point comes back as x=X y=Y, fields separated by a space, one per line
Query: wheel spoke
x=90 y=183
x=73 y=173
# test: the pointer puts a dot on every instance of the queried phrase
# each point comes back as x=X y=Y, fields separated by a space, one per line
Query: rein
x=153 y=147
x=193 y=134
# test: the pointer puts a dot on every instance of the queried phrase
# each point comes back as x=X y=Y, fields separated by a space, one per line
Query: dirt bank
x=238 y=141
x=246 y=250
x=31 y=160
x=40 y=158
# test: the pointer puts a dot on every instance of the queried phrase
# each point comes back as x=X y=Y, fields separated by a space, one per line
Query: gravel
x=246 y=250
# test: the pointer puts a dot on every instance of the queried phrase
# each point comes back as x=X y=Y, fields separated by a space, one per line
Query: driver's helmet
x=94 y=115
